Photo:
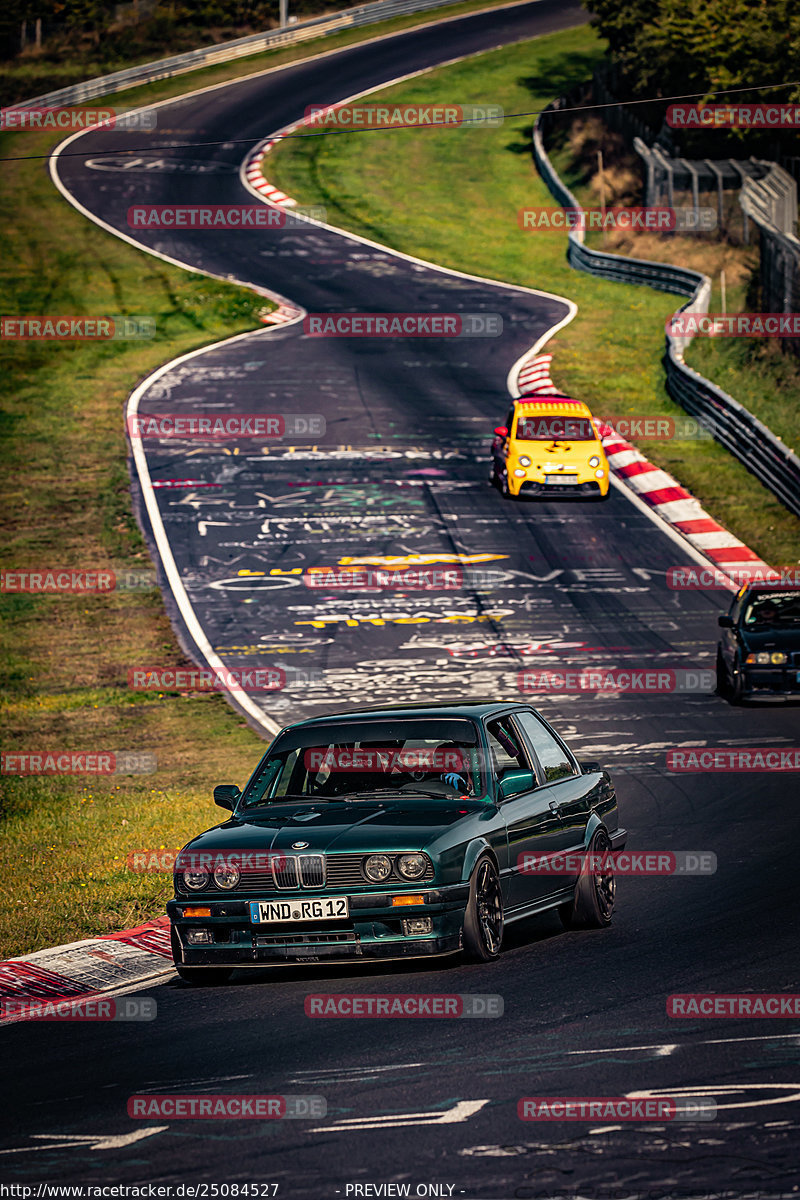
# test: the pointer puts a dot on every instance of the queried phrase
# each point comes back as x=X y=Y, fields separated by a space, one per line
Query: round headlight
x=524 y=461
x=378 y=867
x=412 y=866
x=777 y=658
x=518 y=473
x=195 y=879
x=226 y=877
x=594 y=461
x=762 y=657
x=600 y=474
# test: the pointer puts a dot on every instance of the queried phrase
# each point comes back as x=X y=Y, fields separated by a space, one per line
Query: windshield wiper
x=291 y=798
x=399 y=794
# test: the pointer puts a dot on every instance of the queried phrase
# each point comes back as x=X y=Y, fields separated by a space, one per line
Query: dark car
x=383 y=834
x=758 y=654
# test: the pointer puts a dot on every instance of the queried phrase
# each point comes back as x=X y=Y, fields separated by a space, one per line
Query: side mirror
x=590 y=768
x=501 y=431
x=226 y=795
x=725 y=622
x=515 y=782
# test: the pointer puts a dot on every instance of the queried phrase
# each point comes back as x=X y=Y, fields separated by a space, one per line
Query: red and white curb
x=80 y=970
x=254 y=163
x=280 y=315
x=658 y=489
x=533 y=376
x=255 y=176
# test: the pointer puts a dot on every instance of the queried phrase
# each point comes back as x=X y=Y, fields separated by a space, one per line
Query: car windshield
x=554 y=427
x=774 y=610
x=359 y=760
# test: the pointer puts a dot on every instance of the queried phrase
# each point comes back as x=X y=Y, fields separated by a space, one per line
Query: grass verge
x=65 y=490
x=452 y=196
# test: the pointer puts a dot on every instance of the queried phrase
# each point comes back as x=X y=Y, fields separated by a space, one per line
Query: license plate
x=321 y=908
x=570 y=479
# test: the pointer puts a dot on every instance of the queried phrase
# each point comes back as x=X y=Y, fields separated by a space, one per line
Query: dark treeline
x=663 y=48
x=110 y=33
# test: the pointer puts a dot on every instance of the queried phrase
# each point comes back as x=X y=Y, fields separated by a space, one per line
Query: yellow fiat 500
x=549 y=446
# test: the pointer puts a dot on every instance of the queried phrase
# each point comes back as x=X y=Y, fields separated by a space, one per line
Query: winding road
x=401 y=472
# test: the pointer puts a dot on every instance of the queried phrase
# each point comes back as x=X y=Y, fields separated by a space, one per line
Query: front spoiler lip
x=314 y=961
x=532 y=487
x=321 y=954
x=779 y=688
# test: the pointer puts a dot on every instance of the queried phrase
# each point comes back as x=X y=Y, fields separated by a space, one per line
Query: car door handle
x=555 y=806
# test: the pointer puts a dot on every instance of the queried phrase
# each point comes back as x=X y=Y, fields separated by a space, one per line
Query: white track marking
x=196 y=631
x=727 y=1090
x=89 y=1141
x=766 y=1037
x=452 y=1116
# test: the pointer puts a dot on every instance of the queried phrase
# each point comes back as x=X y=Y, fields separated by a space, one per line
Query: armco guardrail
x=179 y=64
x=756 y=446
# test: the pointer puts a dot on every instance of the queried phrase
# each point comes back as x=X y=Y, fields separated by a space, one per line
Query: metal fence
x=742 y=190
x=772 y=204
x=694 y=182
x=764 y=454
x=193 y=60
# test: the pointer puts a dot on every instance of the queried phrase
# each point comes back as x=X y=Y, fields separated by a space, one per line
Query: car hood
x=359 y=827
x=771 y=639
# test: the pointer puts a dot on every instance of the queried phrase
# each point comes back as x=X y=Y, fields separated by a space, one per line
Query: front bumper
x=373 y=930
x=534 y=487
x=780 y=681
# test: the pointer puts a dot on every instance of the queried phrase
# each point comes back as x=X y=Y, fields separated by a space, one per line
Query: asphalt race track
x=401 y=471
